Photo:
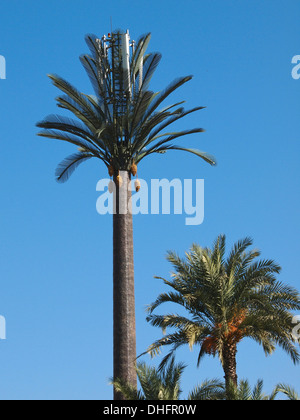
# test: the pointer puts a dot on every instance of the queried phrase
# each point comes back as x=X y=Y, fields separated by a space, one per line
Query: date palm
x=164 y=384
x=243 y=392
x=289 y=392
x=225 y=301
x=120 y=125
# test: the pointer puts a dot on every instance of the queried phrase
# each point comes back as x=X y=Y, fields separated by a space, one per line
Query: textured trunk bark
x=229 y=365
x=123 y=289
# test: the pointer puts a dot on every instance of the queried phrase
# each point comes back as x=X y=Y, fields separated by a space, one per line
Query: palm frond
x=149 y=69
x=77 y=97
x=139 y=53
x=209 y=390
x=288 y=391
x=129 y=392
x=179 y=114
x=165 y=93
x=203 y=155
x=69 y=164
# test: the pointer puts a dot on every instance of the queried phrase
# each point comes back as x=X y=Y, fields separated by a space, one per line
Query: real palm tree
x=120 y=125
x=225 y=301
x=164 y=384
x=286 y=390
x=243 y=392
x=157 y=384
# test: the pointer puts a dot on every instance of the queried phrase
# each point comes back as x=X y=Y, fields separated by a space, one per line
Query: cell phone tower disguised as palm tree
x=120 y=125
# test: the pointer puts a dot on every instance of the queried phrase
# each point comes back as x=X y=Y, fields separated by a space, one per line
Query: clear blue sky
x=56 y=251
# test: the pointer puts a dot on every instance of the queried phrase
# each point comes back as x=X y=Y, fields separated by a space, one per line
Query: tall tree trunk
x=229 y=365
x=123 y=288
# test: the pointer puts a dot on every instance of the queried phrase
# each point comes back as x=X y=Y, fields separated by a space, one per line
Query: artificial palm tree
x=226 y=300
x=120 y=125
x=157 y=384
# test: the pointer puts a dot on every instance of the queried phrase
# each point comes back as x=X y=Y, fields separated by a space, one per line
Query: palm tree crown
x=164 y=384
x=121 y=123
x=227 y=299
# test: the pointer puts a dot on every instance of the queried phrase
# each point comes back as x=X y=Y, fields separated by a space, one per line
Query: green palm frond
x=288 y=391
x=209 y=390
x=174 y=116
x=243 y=392
x=149 y=68
x=129 y=392
x=205 y=156
x=139 y=54
x=69 y=164
x=164 y=384
x=70 y=138
x=155 y=384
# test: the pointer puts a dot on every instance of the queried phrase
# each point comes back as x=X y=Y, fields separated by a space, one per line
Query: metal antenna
x=125 y=62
